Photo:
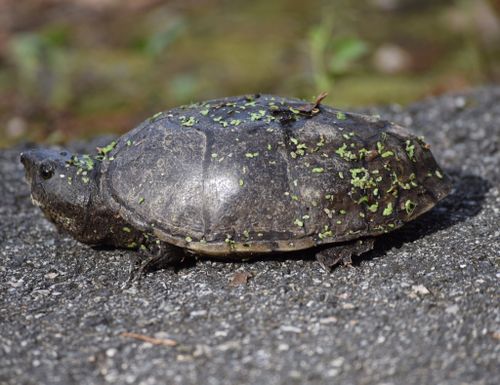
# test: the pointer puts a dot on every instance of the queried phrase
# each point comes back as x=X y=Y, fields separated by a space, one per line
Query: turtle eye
x=46 y=170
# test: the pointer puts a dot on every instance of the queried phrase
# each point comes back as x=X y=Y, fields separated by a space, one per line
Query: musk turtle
x=241 y=176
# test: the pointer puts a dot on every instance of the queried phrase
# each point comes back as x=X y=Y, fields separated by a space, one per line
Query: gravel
x=422 y=308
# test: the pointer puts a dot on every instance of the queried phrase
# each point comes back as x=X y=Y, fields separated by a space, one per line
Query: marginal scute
x=257 y=174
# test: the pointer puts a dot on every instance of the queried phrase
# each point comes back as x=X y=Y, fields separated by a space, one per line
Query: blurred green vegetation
x=76 y=68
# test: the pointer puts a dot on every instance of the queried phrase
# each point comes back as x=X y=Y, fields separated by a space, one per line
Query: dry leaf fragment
x=240 y=278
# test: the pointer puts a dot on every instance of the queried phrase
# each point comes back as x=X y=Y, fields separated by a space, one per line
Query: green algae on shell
x=258 y=174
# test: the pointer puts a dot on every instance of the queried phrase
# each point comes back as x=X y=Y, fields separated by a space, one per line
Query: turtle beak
x=29 y=160
x=24 y=158
x=32 y=159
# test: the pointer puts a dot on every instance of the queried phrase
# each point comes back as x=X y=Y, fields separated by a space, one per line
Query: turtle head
x=65 y=188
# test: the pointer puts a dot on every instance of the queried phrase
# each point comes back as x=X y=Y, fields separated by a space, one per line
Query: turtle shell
x=261 y=173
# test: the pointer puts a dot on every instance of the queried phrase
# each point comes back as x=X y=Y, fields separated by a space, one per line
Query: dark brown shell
x=263 y=173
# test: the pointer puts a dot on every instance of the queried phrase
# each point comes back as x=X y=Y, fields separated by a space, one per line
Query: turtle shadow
x=465 y=201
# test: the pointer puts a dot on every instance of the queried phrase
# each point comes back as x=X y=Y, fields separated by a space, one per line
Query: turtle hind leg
x=156 y=257
x=342 y=252
x=164 y=256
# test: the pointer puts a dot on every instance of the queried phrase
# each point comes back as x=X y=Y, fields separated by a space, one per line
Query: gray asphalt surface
x=422 y=308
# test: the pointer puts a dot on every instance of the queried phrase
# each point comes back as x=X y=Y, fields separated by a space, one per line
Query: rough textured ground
x=421 y=309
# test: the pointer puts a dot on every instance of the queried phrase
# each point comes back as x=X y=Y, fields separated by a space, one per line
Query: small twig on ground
x=151 y=340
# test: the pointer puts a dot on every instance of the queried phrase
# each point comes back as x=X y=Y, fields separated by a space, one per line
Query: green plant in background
x=332 y=57
x=181 y=86
x=103 y=70
x=161 y=39
x=43 y=68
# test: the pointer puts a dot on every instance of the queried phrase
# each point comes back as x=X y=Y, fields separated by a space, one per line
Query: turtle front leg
x=342 y=252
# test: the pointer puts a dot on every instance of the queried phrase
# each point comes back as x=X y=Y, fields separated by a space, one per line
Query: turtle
x=239 y=177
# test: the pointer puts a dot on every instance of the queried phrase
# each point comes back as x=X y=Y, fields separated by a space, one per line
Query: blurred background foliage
x=76 y=68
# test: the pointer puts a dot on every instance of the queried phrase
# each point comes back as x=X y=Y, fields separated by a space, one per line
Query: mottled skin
x=73 y=205
x=241 y=176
